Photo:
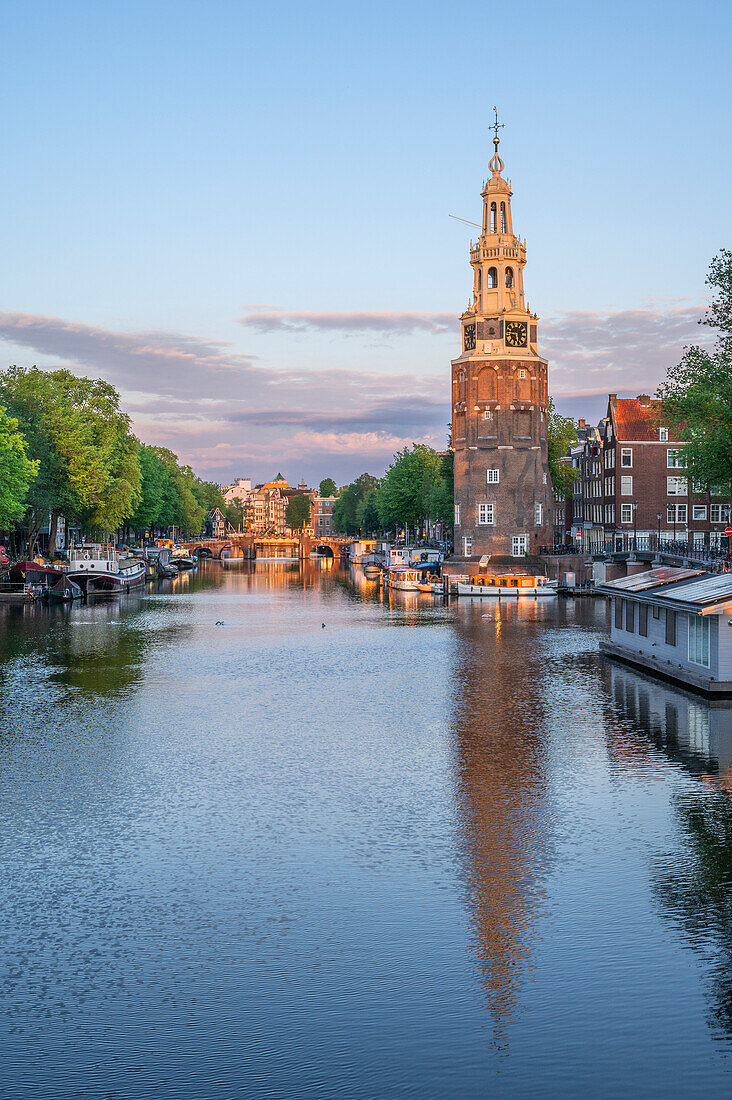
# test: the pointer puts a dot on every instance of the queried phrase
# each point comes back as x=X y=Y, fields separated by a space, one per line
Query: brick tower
x=503 y=493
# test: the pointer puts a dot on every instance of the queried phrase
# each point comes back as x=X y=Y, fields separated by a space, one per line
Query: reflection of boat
x=402 y=578
x=509 y=584
x=371 y=570
x=103 y=569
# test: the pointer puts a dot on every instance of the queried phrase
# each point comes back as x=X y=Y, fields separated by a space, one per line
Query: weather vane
x=496 y=127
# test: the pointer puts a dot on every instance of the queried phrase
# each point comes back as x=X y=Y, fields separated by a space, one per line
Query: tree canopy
x=17 y=471
x=328 y=487
x=696 y=398
x=561 y=435
x=298 y=512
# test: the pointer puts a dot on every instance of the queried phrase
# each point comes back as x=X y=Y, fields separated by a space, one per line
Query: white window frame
x=492 y=476
x=487 y=414
x=467 y=546
x=626 y=485
x=719 y=513
x=699 y=512
x=457 y=515
x=699 y=640
x=486 y=514
x=538 y=513
x=663 y=435
x=677 y=487
x=626 y=513
x=519 y=545
x=626 y=452
x=679 y=511
x=675 y=459
x=522 y=374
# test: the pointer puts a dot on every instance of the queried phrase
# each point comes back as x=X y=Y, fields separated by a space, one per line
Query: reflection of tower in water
x=499 y=751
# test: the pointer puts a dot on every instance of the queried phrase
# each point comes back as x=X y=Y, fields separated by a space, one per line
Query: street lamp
x=635 y=526
x=658 y=542
x=674 y=508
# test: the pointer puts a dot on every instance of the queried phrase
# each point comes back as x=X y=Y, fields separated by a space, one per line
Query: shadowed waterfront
x=426 y=850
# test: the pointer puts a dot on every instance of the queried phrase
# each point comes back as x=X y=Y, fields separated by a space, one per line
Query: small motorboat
x=65 y=590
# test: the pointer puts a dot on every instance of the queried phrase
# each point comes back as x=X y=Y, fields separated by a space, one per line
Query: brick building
x=632 y=486
x=503 y=501
x=321 y=514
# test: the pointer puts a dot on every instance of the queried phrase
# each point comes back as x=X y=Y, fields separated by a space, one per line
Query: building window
x=519 y=545
x=468 y=546
x=643 y=620
x=630 y=616
x=493 y=218
x=487 y=414
x=492 y=476
x=699 y=640
x=492 y=278
x=522 y=374
x=675 y=458
x=626 y=456
x=719 y=513
x=503 y=218
x=538 y=514
x=677 y=487
x=485 y=514
x=626 y=513
x=670 y=627
x=663 y=435
x=457 y=515
x=676 y=513
x=509 y=277
x=700 y=511
x=626 y=485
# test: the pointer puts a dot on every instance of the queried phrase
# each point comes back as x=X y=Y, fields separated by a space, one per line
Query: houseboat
x=103 y=569
x=508 y=585
x=402 y=578
x=674 y=623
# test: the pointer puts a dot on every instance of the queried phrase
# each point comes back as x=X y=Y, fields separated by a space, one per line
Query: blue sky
x=173 y=168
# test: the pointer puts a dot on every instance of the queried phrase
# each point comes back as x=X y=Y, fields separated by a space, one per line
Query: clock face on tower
x=516 y=334
x=469 y=338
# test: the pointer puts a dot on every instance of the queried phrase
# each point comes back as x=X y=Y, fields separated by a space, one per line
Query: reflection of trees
x=499 y=748
x=695 y=889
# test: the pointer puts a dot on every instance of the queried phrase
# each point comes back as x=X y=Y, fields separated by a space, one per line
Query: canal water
x=351 y=845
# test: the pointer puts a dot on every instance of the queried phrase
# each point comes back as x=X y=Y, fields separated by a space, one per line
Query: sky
x=238 y=213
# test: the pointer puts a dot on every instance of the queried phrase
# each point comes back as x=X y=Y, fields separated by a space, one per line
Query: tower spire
x=496 y=164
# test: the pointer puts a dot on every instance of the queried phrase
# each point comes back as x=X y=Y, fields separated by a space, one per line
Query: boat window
x=514 y=583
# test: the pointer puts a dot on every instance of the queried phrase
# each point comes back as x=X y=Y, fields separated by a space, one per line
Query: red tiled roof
x=638 y=422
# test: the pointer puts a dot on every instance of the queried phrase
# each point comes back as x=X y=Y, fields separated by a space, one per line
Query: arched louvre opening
x=492 y=278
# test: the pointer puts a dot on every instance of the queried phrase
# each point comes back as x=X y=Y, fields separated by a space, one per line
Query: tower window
x=522 y=374
x=480 y=279
x=492 y=278
x=492 y=476
x=493 y=217
x=509 y=277
x=503 y=218
x=487 y=414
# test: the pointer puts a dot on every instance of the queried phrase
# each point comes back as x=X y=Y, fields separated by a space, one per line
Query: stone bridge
x=250 y=547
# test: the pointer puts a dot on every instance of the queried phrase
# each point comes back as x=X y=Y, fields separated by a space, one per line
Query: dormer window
x=663 y=435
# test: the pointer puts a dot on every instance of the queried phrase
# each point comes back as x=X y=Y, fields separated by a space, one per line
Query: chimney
x=582 y=422
x=613 y=397
x=644 y=400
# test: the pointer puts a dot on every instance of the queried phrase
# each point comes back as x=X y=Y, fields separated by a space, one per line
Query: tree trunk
x=52 y=531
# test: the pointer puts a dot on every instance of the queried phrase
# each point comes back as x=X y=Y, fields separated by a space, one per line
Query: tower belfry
x=499 y=394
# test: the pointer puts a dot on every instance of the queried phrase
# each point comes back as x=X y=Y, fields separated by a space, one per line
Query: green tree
x=404 y=494
x=17 y=471
x=696 y=398
x=346 y=518
x=328 y=487
x=298 y=512
x=235 y=514
x=367 y=514
x=561 y=435
x=89 y=467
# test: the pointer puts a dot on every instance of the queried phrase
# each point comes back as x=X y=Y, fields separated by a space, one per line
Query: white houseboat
x=104 y=569
x=403 y=579
x=674 y=623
